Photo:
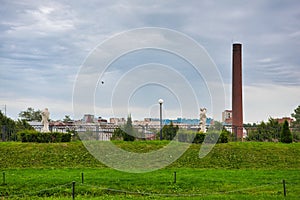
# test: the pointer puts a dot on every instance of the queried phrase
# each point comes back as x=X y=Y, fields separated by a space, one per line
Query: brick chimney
x=237 y=91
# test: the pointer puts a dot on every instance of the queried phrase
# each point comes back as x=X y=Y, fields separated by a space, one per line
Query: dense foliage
x=126 y=133
x=265 y=132
x=35 y=136
x=286 y=135
x=272 y=131
x=296 y=115
x=9 y=127
x=171 y=132
x=212 y=136
x=168 y=131
x=31 y=115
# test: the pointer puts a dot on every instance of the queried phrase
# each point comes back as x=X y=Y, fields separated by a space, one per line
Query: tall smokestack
x=237 y=93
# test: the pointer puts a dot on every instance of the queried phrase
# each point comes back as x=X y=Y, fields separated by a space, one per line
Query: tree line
x=271 y=130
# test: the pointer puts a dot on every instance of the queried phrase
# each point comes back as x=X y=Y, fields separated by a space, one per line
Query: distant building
x=227 y=117
x=117 y=121
x=178 y=121
x=101 y=120
x=88 y=118
x=288 y=119
x=151 y=119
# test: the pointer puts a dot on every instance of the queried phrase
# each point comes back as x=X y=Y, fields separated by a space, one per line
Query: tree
x=67 y=119
x=129 y=131
x=117 y=134
x=169 y=131
x=216 y=126
x=269 y=131
x=23 y=125
x=224 y=136
x=9 y=127
x=286 y=135
x=296 y=115
x=31 y=115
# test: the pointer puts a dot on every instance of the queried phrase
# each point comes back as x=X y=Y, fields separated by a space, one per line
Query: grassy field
x=230 y=171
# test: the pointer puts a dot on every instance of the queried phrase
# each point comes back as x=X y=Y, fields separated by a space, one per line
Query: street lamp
x=160 y=101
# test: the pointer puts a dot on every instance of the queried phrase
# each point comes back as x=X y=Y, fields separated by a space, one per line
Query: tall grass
x=230 y=171
x=249 y=155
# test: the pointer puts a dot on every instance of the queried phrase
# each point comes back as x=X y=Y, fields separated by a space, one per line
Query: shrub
x=186 y=136
x=210 y=137
x=286 y=135
x=26 y=135
x=199 y=138
x=35 y=136
x=224 y=137
x=66 y=137
x=56 y=136
x=296 y=136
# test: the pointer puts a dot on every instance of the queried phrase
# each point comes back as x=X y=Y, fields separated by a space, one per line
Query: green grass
x=229 y=171
x=191 y=183
x=248 y=155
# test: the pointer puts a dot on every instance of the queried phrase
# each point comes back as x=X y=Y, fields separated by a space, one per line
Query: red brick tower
x=237 y=91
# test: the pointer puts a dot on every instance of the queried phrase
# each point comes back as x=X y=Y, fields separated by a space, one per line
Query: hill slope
x=229 y=156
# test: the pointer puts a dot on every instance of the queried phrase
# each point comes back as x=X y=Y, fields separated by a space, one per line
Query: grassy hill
x=250 y=155
x=46 y=171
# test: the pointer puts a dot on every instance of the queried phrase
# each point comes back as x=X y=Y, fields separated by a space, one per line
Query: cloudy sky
x=45 y=44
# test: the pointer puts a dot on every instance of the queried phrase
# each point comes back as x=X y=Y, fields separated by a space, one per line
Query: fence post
x=82 y=178
x=284 y=189
x=73 y=190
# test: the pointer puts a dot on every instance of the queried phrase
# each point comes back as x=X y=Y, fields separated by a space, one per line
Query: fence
x=71 y=189
x=104 y=132
x=100 y=132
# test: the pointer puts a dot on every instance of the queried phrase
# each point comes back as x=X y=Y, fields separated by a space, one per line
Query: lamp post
x=160 y=101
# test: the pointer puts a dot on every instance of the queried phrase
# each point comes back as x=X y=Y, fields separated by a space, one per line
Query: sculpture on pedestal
x=203 y=120
x=45 y=117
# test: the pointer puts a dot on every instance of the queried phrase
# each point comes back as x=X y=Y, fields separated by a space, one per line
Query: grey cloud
x=47 y=41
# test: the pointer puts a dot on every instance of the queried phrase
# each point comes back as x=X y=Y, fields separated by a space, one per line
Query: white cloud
x=263 y=101
x=58 y=108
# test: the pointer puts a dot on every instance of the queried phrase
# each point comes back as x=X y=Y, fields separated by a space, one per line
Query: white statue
x=45 y=117
x=203 y=120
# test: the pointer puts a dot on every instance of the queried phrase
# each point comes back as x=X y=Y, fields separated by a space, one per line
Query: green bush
x=185 y=136
x=210 y=136
x=286 y=135
x=199 y=138
x=224 y=137
x=296 y=136
x=35 y=136
x=265 y=132
x=66 y=137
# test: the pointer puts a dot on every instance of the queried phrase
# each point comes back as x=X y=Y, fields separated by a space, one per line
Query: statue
x=45 y=117
x=203 y=120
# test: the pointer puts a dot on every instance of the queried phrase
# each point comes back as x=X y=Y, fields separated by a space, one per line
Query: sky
x=45 y=45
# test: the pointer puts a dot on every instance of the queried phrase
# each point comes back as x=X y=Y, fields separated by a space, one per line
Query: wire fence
x=73 y=192
x=35 y=193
